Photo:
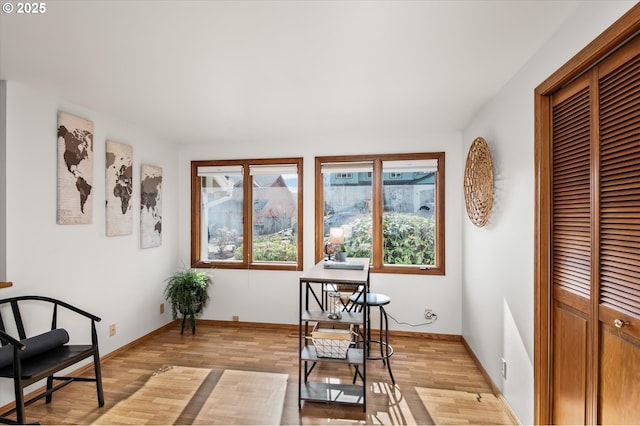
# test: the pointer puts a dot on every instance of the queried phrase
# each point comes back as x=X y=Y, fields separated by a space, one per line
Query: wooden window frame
x=246 y=263
x=377 y=265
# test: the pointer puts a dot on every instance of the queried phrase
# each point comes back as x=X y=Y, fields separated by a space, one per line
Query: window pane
x=347 y=204
x=408 y=220
x=275 y=218
x=221 y=224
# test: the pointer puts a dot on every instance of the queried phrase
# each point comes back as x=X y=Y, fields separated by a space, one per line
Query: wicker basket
x=478 y=182
x=331 y=342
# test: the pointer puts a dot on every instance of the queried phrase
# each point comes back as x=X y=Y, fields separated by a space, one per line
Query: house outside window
x=391 y=210
x=247 y=213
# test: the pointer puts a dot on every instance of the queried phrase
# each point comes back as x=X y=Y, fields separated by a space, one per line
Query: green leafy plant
x=278 y=247
x=187 y=291
x=409 y=239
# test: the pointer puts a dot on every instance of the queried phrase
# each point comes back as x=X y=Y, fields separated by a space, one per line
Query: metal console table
x=314 y=308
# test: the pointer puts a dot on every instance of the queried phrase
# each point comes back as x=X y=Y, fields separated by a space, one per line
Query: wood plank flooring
x=418 y=362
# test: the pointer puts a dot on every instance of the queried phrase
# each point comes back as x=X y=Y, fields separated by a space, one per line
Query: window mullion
x=196 y=212
x=248 y=217
x=440 y=216
x=319 y=211
x=378 y=210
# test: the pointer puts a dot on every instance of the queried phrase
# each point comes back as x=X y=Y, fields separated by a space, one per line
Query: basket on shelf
x=332 y=342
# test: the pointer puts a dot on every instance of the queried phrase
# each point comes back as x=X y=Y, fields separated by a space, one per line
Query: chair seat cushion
x=35 y=345
x=373 y=299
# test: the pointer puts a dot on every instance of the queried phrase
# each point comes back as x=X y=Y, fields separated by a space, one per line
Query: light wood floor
x=418 y=362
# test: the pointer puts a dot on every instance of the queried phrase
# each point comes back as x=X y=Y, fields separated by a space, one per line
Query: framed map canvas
x=118 y=187
x=150 y=206
x=75 y=170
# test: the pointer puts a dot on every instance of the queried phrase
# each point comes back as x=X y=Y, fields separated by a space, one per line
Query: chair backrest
x=18 y=322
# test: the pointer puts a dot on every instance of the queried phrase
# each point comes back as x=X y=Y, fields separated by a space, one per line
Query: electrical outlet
x=112 y=330
x=504 y=368
x=428 y=313
x=162 y=308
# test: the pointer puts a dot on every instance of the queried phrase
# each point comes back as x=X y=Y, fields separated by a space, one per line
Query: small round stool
x=386 y=350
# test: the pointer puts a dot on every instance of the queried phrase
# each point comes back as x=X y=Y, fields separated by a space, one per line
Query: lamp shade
x=336 y=235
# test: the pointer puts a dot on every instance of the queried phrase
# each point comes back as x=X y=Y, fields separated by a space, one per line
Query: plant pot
x=341 y=256
x=190 y=314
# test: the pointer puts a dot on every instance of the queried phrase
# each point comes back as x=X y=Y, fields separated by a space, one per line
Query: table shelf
x=314 y=286
x=354 y=356
x=323 y=316
x=338 y=393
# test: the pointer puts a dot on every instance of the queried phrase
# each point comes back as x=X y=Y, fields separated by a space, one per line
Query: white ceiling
x=226 y=71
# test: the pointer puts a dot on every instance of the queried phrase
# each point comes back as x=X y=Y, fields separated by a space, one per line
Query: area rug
x=245 y=398
x=170 y=388
x=451 y=407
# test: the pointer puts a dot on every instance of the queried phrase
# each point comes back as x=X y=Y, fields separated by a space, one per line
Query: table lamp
x=336 y=238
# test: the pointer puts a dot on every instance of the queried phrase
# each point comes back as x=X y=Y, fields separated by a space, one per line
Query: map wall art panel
x=75 y=170
x=119 y=188
x=150 y=206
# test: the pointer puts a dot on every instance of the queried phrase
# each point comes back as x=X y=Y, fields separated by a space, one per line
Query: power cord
x=433 y=318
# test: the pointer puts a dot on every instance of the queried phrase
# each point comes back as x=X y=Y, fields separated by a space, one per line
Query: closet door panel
x=571 y=243
x=619 y=239
x=570 y=366
x=619 y=379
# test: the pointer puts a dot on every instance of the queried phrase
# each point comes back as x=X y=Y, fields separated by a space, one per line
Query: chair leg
x=380 y=336
x=98 y=372
x=48 y=398
x=17 y=386
x=387 y=357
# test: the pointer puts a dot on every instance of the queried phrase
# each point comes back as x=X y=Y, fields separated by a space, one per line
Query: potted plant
x=187 y=291
x=341 y=255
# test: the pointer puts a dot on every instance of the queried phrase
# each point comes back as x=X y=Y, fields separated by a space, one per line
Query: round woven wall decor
x=478 y=182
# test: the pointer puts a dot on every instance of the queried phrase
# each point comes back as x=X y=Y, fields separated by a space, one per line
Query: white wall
x=3 y=182
x=271 y=296
x=497 y=291
x=110 y=277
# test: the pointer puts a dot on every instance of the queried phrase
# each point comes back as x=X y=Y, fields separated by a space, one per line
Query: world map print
x=150 y=206
x=119 y=188
x=75 y=170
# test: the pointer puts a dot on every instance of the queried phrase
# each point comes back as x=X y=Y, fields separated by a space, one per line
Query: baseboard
x=245 y=324
x=294 y=328
x=422 y=335
x=492 y=385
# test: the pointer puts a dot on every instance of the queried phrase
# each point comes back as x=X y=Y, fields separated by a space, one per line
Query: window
x=247 y=214
x=344 y=175
x=391 y=209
